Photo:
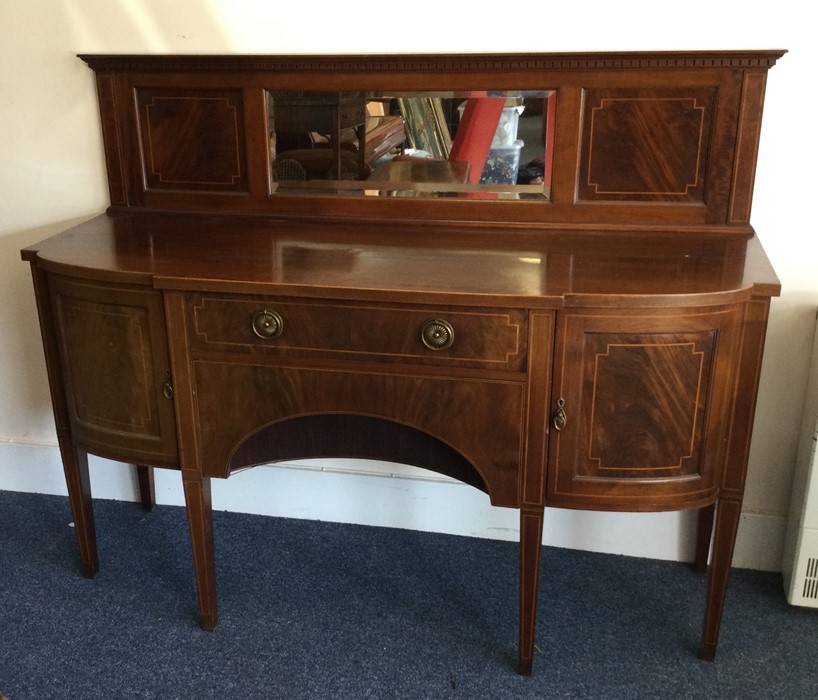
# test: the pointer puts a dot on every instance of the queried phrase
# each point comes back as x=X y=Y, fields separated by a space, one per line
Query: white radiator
x=800 y=562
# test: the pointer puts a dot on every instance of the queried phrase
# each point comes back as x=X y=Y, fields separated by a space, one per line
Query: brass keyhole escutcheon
x=437 y=334
x=559 y=419
x=167 y=387
x=267 y=324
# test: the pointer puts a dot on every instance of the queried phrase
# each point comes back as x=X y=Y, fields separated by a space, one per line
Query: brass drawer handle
x=267 y=324
x=437 y=334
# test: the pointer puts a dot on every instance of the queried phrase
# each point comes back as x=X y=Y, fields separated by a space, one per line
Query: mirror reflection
x=488 y=144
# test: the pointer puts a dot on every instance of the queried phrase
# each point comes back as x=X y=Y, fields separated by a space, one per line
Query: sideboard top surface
x=211 y=252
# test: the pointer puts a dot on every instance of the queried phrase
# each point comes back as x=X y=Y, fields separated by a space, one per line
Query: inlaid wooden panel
x=645 y=145
x=115 y=355
x=645 y=403
x=193 y=139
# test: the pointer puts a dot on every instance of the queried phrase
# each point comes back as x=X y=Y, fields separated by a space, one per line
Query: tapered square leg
x=704 y=535
x=728 y=513
x=78 y=482
x=147 y=489
x=531 y=523
x=200 y=521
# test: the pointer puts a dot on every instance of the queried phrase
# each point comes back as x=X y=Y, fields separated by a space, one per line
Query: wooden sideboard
x=594 y=345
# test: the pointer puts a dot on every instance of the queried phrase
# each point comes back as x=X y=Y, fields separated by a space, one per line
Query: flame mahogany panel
x=646 y=145
x=193 y=139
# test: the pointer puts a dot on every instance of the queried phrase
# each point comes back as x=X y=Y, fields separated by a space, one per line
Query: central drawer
x=482 y=338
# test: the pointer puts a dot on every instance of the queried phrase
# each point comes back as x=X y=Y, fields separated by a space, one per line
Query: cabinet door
x=646 y=396
x=114 y=357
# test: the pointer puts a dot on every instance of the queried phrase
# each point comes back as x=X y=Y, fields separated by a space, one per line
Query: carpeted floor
x=318 y=610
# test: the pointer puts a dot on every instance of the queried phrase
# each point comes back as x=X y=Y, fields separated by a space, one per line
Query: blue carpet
x=318 y=610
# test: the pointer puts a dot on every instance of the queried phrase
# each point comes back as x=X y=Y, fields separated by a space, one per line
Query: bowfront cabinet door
x=114 y=352
x=641 y=406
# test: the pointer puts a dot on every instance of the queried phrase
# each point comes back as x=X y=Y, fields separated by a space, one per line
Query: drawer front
x=486 y=339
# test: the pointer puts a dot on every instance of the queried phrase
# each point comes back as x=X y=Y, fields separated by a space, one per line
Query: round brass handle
x=267 y=324
x=437 y=334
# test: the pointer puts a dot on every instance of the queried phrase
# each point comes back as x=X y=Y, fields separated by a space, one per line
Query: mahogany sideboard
x=592 y=340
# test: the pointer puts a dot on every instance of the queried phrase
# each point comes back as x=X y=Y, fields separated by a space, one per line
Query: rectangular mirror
x=466 y=144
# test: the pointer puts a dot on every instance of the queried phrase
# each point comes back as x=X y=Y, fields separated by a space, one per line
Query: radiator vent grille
x=811 y=579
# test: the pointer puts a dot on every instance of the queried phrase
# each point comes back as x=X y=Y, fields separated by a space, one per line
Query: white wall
x=51 y=176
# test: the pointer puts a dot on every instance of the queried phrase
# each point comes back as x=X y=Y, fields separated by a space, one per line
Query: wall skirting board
x=390 y=495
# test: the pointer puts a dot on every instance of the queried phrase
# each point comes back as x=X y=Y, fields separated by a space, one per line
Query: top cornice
x=252 y=63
